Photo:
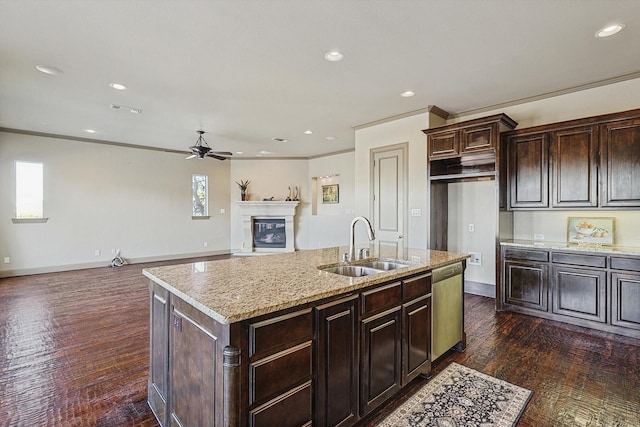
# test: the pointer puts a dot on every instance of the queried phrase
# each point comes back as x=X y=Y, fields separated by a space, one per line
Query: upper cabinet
x=465 y=149
x=586 y=163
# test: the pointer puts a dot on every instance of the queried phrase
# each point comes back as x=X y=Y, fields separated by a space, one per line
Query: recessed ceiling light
x=334 y=56
x=407 y=94
x=47 y=69
x=118 y=86
x=308 y=132
x=331 y=138
x=239 y=152
x=90 y=130
x=610 y=30
x=280 y=139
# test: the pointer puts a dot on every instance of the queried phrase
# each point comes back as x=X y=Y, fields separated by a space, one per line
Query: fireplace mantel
x=267 y=209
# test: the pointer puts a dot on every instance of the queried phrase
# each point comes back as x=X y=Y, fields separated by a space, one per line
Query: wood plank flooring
x=74 y=351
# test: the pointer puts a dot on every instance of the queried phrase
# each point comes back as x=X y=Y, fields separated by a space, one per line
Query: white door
x=389 y=182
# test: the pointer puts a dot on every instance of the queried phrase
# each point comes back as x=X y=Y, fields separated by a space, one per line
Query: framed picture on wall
x=330 y=193
x=590 y=230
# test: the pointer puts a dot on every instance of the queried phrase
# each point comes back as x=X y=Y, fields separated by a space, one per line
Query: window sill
x=201 y=217
x=29 y=220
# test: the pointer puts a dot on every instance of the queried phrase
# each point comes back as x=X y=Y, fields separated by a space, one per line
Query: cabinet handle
x=177 y=322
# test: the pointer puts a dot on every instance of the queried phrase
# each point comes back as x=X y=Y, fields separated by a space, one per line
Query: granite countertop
x=236 y=289
x=610 y=249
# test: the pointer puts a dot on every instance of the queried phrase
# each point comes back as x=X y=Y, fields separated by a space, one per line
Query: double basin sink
x=365 y=268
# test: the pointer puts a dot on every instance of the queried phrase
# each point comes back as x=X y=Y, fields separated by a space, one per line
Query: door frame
x=404 y=147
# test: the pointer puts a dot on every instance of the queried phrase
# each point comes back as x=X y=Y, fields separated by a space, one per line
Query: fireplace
x=269 y=233
x=267 y=227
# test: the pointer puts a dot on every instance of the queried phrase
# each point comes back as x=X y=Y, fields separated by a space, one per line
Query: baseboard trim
x=482 y=289
x=86 y=265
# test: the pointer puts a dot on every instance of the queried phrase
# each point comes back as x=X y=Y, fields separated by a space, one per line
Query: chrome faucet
x=352 y=238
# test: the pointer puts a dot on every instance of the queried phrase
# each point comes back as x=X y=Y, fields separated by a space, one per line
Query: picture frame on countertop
x=331 y=193
x=590 y=230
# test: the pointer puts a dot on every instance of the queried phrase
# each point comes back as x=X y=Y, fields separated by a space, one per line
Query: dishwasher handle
x=444 y=273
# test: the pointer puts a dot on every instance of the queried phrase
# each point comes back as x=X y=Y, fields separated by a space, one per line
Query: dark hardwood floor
x=74 y=351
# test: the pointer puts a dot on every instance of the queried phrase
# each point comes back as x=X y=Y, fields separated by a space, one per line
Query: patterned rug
x=460 y=396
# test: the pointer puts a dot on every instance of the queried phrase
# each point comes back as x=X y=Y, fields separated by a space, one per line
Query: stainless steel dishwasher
x=447 y=309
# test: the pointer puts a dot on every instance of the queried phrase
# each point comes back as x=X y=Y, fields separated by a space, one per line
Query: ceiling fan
x=202 y=150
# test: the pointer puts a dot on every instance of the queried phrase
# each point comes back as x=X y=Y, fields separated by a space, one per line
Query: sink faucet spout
x=352 y=245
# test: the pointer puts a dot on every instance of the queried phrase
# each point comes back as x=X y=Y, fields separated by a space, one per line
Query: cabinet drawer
x=416 y=287
x=272 y=334
x=295 y=407
x=526 y=255
x=381 y=298
x=276 y=374
x=579 y=259
x=631 y=264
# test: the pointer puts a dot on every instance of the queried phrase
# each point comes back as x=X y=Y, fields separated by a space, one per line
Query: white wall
x=102 y=197
x=474 y=203
x=330 y=226
x=408 y=129
x=271 y=178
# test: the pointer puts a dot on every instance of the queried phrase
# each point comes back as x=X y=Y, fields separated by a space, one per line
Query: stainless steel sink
x=384 y=265
x=352 y=270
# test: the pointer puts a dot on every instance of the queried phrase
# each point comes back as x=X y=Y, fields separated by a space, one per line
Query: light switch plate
x=416 y=212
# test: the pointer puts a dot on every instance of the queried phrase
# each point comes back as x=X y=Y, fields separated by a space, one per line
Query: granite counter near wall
x=564 y=246
x=241 y=288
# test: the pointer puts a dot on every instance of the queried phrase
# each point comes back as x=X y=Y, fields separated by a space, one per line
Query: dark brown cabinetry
x=620 y=160
x=594 y=290
x=158 y=386
x=586 y=163
x=337 y=363
x=417 y=330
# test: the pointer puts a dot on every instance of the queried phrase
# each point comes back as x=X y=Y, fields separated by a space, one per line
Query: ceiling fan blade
x=215 y=156
x=223 y=153
x=192 y=156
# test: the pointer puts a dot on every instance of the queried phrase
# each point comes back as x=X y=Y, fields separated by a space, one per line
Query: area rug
x=460 y=396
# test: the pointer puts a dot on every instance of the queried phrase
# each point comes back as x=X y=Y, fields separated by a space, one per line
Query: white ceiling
x=246 y=71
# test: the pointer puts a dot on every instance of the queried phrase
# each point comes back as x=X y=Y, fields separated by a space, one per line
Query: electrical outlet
x=476 y=258
x=96 y=252
x=222 y=211
x=206 y=244
x=538 y=237
x=472 y=227
x=7 y=260
x=416 y=212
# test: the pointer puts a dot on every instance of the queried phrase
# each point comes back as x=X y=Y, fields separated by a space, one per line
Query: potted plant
x=243 y=188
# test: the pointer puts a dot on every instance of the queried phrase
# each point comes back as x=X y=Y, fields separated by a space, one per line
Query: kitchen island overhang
x=250 y=317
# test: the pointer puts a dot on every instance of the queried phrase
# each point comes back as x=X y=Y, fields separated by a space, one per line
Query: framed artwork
x=330 y=193
x=590 y=230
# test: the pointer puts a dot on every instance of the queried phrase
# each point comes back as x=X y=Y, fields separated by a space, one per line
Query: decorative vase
x=243 y=195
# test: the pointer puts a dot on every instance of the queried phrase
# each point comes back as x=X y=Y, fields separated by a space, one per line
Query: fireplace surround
x=267 y=226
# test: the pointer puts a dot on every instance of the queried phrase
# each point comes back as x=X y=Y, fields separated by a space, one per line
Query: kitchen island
x=274 y=340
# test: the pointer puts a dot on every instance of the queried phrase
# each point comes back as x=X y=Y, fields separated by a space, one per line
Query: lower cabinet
x=416 y=342
x=158 y=387
x=337 y=363
x=596 y=290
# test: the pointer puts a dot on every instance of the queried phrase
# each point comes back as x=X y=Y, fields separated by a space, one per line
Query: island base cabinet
x=159 y=352
x=337 y=363
x=381 y=343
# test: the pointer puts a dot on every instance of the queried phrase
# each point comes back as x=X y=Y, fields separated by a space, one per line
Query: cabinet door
x=417 y=338
x=159 y=352
x=579 y=293
x=380 y=359
x=574 y=160
x=193 y=373
x=442 y=144
x=620 y=161
x=477 y=139
x=526 y=284
x=625 y=300
x=529 y=171
x=337 y=365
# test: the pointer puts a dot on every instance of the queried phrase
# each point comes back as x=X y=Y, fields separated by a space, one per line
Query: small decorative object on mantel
x=270 y=199
x=295 y=197
x=598 y=231
x=243 y=188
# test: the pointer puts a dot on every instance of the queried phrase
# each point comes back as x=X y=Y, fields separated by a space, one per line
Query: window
x=200 y=188
x=29 y=190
